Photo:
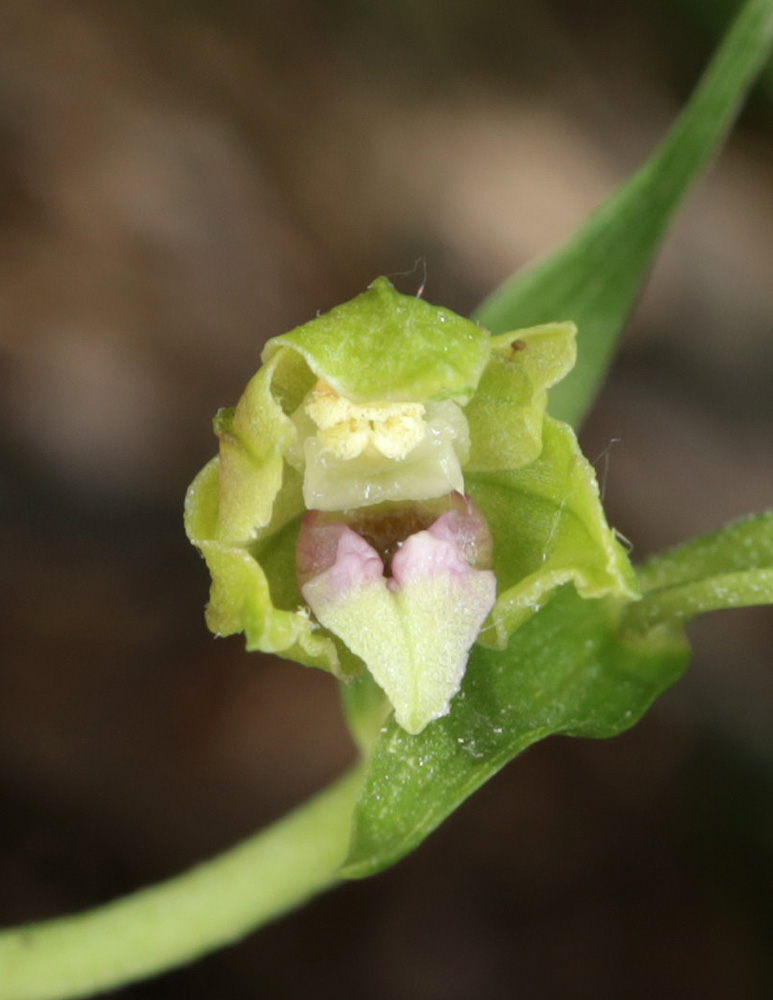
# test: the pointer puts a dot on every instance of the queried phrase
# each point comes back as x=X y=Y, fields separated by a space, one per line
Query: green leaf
x=579 y=667
x=567 y=670
x=746 y=544
x=595 y=278
x=731 y=568
x=582 y=668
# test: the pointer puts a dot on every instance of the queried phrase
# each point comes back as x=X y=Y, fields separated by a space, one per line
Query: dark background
x=180 y=181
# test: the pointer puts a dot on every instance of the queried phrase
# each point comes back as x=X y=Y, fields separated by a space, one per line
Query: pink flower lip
x=414 y=624
x=386 y=530
x=426 y=554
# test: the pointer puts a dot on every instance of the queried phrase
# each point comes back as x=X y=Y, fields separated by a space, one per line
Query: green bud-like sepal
x=389 y=404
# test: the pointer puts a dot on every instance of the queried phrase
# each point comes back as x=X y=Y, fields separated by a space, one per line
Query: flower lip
x=386 y=526
x=413 y=628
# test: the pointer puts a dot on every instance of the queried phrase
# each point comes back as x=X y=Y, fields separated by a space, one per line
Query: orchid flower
x=390 y=489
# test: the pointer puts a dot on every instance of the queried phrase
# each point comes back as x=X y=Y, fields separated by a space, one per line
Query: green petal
x=386 y=346
x=549 y=528
x=505 y=414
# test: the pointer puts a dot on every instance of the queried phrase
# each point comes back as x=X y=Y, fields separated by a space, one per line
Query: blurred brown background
x=179 y=182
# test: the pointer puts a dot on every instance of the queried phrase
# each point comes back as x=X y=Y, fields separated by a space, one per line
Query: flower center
x=361 y=454
x=347 y=429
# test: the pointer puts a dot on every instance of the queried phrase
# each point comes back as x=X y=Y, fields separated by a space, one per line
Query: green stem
x=214 y=904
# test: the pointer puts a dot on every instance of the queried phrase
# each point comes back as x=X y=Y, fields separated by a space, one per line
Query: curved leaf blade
x=717 y=593
x=746 y=544
x=595 y=277
x=731 y=568
x=565 y=671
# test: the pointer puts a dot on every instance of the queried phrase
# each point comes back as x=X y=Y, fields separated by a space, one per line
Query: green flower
x=348 y=519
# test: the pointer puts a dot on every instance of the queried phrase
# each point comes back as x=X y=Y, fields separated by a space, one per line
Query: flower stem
x=214 y=904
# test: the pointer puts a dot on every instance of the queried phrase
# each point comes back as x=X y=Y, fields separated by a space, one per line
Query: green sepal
x=549 y=529
x=386 y=346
